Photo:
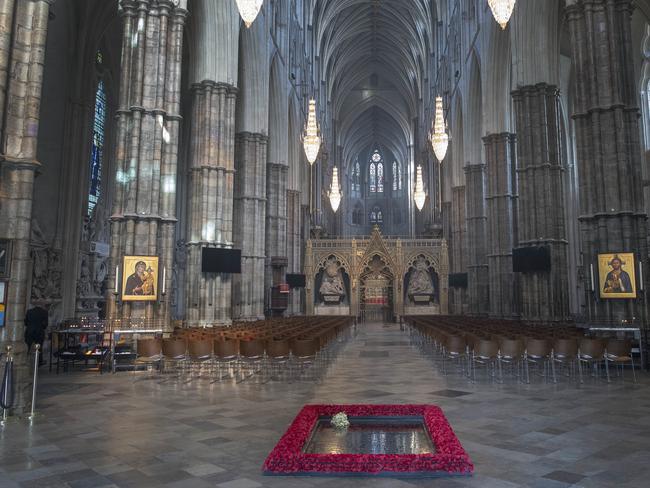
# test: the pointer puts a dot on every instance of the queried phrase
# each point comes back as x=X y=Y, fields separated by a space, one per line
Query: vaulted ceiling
x=375 y=60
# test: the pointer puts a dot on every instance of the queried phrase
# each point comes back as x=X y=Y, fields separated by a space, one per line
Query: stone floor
x=109 y=430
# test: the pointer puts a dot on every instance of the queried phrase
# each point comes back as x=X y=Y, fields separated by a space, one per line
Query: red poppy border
x=450 y=458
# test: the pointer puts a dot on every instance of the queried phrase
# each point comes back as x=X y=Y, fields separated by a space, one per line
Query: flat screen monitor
x=296 y=280
x=533 y=259
x=458 y=280
x=216 y=260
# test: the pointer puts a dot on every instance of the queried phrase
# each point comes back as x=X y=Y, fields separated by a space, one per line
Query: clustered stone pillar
x=607 y=140
x=212 y=147
x=276 y=220
x=544 y=295
x=249 y=233
x=148 y=123
x=477 y=266
x=500 y=200
x=294 y=243
x=458 y=247
x=23 y=32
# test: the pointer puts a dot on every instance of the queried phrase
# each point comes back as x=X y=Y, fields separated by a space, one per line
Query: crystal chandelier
x=502 y=10
x=311 y=140
x=419 y=195
x=335 y=190
x=439 y=136
x=248 y=9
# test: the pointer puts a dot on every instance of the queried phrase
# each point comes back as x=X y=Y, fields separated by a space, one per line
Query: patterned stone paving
x=126 y=431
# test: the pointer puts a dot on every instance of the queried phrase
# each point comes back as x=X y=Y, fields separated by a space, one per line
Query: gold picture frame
x=617 y=275
x=140 y=279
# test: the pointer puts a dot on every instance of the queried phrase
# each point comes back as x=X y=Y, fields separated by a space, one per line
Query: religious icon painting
x=5 y=257
x=140 y=279
x=617 y=275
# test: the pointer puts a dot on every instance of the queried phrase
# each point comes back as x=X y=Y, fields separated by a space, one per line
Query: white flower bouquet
x=340 y=421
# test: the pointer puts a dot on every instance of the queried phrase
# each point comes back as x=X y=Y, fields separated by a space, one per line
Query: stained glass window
x=97 y=150
x=356 y=179
x=373 y=178
x=380 y=177
x=394 y=175
x=399 y=178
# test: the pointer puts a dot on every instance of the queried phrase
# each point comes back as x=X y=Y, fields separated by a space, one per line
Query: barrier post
x=7 y=390
x=37 y=357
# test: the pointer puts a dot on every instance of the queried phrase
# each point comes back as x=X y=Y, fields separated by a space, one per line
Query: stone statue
x=84 y=285
x=332 y=281
x=420 y=281
x=101 y=273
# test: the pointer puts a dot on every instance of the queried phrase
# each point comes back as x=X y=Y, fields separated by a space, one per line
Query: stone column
x=458 y=248
x=23 y=32
x=249 y=233
x=608 y=149
x=477 y=266
x=276 y=221
x=210 y=206
x=148 y=123
x=294 y=225
x=251 y=154
x=541 y=200
x=500 y=198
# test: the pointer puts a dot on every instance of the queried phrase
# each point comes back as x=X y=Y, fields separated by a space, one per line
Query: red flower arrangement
x=287 y=458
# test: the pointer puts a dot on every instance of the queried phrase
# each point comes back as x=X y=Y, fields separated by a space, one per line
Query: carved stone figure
x=84 y=285
x=420 y=281
x=46 y=274
x=100 y=272
x=332 y=280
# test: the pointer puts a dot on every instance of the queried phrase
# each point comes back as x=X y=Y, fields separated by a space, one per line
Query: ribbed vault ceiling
x=374 y=60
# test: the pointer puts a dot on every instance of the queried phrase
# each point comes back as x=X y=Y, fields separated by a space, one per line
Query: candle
x=117 y=278
x=163 y=279
x=591 y=269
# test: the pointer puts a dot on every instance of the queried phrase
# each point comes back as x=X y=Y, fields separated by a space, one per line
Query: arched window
x=376 y=173
x=97 y=149
x=645 y=91
x=373 y=178
x=376 y=216
x=356 y=178
x=357 y=215
x=397 y=176
x=380 y=177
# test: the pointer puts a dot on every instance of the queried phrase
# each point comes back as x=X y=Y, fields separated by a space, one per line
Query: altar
x=377 y=278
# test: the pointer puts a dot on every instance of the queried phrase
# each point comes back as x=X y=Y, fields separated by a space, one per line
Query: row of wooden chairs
x=497 y=349
x=192 y=353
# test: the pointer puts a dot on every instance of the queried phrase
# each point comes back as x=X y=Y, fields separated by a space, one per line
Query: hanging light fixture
x=439 y=136
x=335 y=190
x=311 y=140
x=419 y=195
x=502 y=10
x=248 y=9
